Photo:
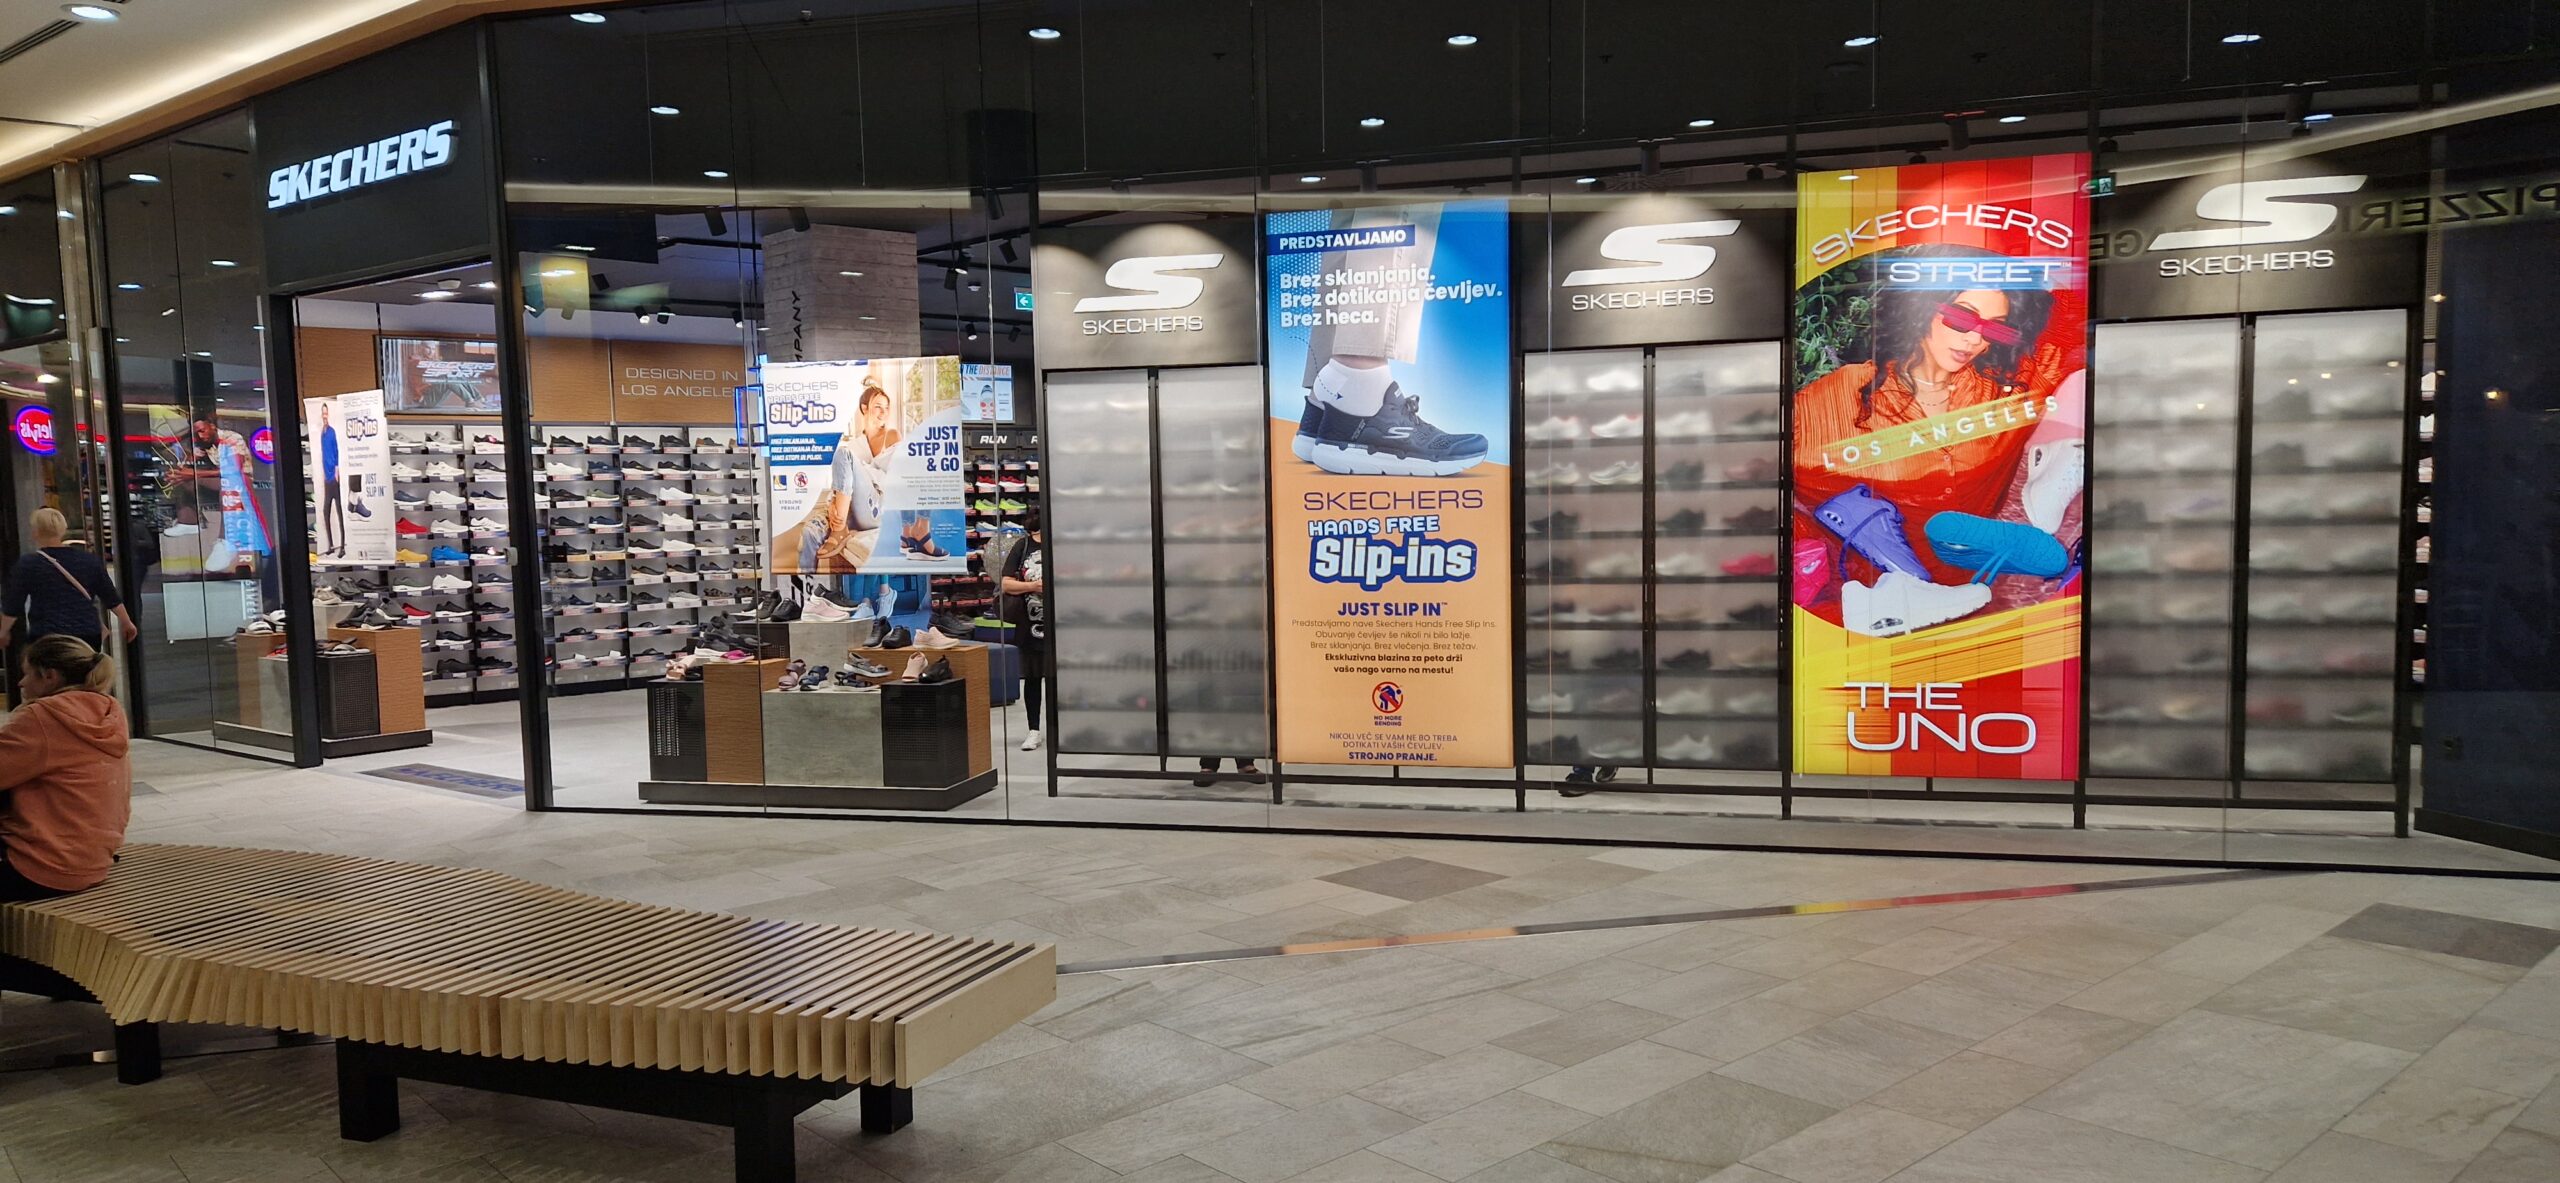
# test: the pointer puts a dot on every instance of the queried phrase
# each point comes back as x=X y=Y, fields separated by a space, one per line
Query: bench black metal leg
x=137 y=1053
x=764 y=1129
x=887 y=1108
x=368 y=1097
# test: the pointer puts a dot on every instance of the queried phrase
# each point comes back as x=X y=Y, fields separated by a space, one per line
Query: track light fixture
x=1004 y=246
x=799 y=218
x=718 y=222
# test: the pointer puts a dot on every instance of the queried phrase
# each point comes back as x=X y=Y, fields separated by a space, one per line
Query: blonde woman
x=60 y=589
x=69 y=790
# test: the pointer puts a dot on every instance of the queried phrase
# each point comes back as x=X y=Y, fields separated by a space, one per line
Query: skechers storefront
x=2088 y=431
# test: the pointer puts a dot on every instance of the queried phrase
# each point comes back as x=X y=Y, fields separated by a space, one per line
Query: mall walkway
x=2318 y=1028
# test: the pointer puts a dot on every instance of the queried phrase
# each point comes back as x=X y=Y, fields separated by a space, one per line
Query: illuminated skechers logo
x=365 y=164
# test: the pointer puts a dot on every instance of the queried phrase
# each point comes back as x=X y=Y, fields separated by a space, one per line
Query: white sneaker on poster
x=1899 y=603
x=2055 y=472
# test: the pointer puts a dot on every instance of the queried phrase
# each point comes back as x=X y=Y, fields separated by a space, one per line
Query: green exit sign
x=1022 y=299
x=2100 y=187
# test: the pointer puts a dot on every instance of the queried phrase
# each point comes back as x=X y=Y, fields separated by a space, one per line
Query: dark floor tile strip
x=1360 y=944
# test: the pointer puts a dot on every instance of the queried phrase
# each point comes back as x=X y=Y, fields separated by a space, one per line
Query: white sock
x=1352 y=390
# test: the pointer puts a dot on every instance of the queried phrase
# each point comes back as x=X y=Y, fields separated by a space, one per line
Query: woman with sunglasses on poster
x=1934 y=353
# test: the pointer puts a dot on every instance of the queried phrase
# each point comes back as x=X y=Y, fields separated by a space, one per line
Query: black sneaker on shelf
x=599 y=441
x=451 y=637
x=485 y=633
x=603 y=469
x=493 y=665
x=451 y=668
x=1690 y=661
x=562 y=441
x=1687 y=521
x=671 y=441
x=1758 y=517
x=1762 y=615
x=449 y=608
x=1559 y=524
x=1620 y=659
x=564 y=523
x=1687 y=472
x=633 y=441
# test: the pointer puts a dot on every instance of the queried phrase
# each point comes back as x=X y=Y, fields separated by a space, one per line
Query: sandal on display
x=916 y=667
x=855 y=663
x=814 y=678
x=791 y=674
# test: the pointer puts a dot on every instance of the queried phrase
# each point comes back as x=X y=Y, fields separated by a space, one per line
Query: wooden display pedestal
x=969 y=666
x=399 y=689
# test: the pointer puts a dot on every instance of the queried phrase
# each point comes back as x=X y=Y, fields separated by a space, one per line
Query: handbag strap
x=85 y=593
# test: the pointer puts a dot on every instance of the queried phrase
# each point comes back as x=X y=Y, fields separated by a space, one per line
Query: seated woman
x=67 y=788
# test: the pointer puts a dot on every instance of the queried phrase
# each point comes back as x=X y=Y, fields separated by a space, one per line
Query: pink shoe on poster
x=1810 y=580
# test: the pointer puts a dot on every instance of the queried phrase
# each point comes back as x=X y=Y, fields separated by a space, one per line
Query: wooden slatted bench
x=486 y=980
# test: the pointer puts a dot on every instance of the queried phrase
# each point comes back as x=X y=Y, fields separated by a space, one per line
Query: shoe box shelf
x=1652 y=589
x=1004 y=483
x=2245 y=510
x=1158 y=590
x=648 y=531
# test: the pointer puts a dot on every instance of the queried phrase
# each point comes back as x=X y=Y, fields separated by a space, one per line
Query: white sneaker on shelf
x=1624 y=427
x=1553 y=429
x=1685 y=425
x=1899 y=604
x=405 y=472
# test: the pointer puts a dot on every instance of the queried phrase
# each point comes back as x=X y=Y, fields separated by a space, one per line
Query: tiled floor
x=2322 y=1028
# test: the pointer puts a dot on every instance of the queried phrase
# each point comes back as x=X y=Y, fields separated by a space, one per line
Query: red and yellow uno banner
x=1939 y=458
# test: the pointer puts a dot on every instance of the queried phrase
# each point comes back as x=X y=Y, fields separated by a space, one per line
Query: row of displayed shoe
x=630 y=469
x=1749 y=616
x=1752 y=750
x=1627 y=565
x=1622 y=660
x=1693 y=701
x=1631 y=426
x=1567 y=524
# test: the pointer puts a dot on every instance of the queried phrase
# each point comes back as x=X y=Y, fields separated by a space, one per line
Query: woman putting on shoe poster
x=1939 y=456
x=866 y=466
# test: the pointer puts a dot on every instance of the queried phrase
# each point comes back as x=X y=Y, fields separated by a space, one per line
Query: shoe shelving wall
x=649 y=531
x=1004 y=483
x=1652 y=590
x=2251 y=553
x=1159 y=598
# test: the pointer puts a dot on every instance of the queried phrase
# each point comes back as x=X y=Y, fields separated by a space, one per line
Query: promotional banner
x=1610 y=269
x=352 y=521
x=864 y=465
x=986 y=393
x=1391 y=395
x=439 y=375
x=1154 y=294
x=2272 y=231
x=1939 y=455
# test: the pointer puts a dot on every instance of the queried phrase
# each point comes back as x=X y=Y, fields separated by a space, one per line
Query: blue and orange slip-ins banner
x=1939 y=456
x=1389 y=329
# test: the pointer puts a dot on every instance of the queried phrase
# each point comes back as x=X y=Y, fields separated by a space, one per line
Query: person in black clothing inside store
x=60 y=589
x=1023 y=591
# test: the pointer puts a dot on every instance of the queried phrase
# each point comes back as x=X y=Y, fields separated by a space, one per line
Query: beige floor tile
x=1344 y=1067
x=1797 y=955
x=1585 y=1033
x=1739 y=1173
x=1845 y=1060
x=1150 y=1136
x=1535 y=1166
x=1588 y=982
x=1179 y=1170
x=1446 y=1086
x=2084 y=950
x=1841 y=987
x=2529 y=1007
x=2062 y=1038
x=1693 y=946
x=1735 y=1031
x=1975 y=1000
x=1931 y=951
x=2487 y=1058
x=1302 y=1141
x=1364 y=1167
x=1481 y=1134
x=1688 y=994
x=2145 y=995
x=2433 y=1116
x=2342 y=1158
x=2518 y=1156
x=2238 y=1089
x=2353 y=990
x=1861 y=1144
x=2025 y=1146
x=1966 y=1089
x=1613 y=1080
x=1467 y=1022
x=1671 y=1137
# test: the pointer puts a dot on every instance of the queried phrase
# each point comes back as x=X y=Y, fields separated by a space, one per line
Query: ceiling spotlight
x=579 y=247
x=486 y=285
x=587 y=18
x=2239 y=38
x=7 y=210
x=1013 y=334
x=1702 y=123
x=1755 y=173
x=128 y=287
x=2013 y=119
x=1919 y=158
x=1309 y=179
x=974 y=285
x=664 y=316
x=63 y=214
x=641 y=315
x=49 y=379
x=1586 y=180
x=1462 y=40
x=1860 y=42
x=951 y=280
x=972 y=327
x=1005 y=247
x=854 y=274
x=2108 y=144
x=2318 y=117
x=90 y=12
x=1045 y=33
x=663 y=109
x=142 y=178
x=223 y=263
x=1373 y=121
x=717 y=174
x=437 y=295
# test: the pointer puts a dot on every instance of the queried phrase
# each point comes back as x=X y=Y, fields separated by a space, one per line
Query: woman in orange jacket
x=68 y=788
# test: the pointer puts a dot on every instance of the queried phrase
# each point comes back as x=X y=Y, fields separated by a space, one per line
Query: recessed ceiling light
x=1373 y=121
x=142 y=178
x=128 y=287
x=1045 y=33
x=1860 y=42
x=204 y=353
x=1309 y=179
x=2013 y=119
x=49 y=379
x=129 y=340
x=1586 y=180
x=168 y=312
x=580 y=247
x=2239 y=38
x=663 y=109
x=587 y=18
x=2318 y=117
x=866 y=316
x=1848 y=176
x=222 y=262
x=91 y=12
x=717 y=174
x=486 y=285
x=436 y=295
x=1702 y=123
x=63 y=214
x=7 y=210
x=1462 y=40
x=854 y=274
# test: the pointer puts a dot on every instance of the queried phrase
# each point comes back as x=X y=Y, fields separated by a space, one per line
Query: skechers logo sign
x=2264 y=213
x=789 y=413
x=365 y=164
x=1159 y=290
x=1661 y=258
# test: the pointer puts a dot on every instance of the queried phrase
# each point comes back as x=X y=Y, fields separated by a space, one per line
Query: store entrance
x=411 y=537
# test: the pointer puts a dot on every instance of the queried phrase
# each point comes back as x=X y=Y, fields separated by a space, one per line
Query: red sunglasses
x=1966 y=320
